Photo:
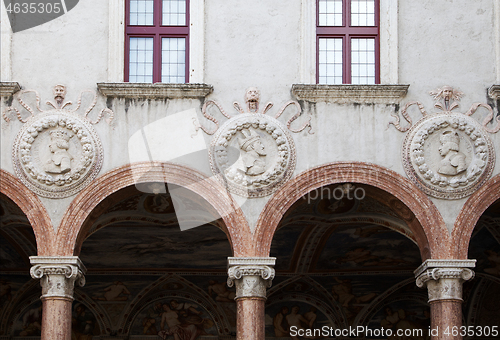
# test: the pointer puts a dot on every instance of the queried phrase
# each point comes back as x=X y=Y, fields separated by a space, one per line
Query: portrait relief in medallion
x=60 y=160
x=448 y=154
x=252 y=159
x=252 y=153
x=453 y=161
x=57 y=151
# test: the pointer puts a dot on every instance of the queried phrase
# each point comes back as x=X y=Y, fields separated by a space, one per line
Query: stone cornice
x=8 y=88
x=494 y=92
x=429 y=264
x=347 y=94
x=154 y=91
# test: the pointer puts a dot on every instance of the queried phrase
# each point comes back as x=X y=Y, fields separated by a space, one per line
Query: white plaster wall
x=71 y=50
x=252 y=43
x=258 y=43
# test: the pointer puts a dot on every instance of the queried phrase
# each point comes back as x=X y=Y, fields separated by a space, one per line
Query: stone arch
x=70 y=235
x=33 y=208
x=431 y=234
x=470 y=213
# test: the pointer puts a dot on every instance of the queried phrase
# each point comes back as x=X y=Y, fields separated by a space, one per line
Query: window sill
x=349 y=94
x=155 y=91
x=7 y=89
x=494 y=92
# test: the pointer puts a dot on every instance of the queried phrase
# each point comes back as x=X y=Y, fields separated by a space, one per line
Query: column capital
x=58 y=275
x=444 y=278
x=252 y=275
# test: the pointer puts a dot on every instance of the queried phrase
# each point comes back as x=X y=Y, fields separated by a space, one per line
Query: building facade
x=191 y=169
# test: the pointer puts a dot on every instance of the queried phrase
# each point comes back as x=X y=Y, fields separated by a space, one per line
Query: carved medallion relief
x=57 y=152
x=448 y=154
x=252 y=153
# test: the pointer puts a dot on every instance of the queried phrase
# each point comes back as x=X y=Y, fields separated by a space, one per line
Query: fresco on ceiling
x=174 y=318
x=284 y=243
x=155 y=246
x=489 y=311
x=10 y=285
x=10 y=257
x=369 y=247
x=29 y=321
x=405 y=315
x=106 y=288
x=83 y=322
x=485 y=248
x=354 y=293
x=299 y=314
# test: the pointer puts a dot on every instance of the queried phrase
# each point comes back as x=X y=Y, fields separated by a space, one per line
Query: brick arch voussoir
x=431 y=234
x=470 y=214
x=71 y=235
x=34 y=210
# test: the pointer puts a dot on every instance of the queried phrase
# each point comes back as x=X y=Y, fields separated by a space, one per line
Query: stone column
x=252 y=276
x=444 y=279
x=57 y=275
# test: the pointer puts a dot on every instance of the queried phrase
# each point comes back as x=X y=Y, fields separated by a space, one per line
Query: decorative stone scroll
x=251 y=275
x=58 y=275
x=447 y=154
x=444 y=278
x=57 y=152
x=252 y=152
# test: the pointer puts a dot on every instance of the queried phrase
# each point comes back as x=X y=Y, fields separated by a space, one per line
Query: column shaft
x=250 y=319
x=56 y=319
x=446 y=314
x=251 y=276
x=58 y=275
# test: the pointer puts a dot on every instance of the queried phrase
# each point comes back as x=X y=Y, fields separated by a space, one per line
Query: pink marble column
x=251 y=276
x=444 y=279
x=446 y=313
x=57 y=275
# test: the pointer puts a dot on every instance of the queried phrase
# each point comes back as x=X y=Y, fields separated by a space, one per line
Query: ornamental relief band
x=57 y=151
x=448 y=155
x=252 y=153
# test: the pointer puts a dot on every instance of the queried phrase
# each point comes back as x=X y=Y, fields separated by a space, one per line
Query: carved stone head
x=252 y=97
x=59 y=93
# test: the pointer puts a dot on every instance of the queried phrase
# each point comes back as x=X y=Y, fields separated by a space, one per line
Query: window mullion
x=157 y=59
x=347 y=59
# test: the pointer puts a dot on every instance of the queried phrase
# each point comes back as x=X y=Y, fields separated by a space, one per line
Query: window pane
x=174 y=13
x=363 y=61
x=141 y=12
x=141 y=60
x=362 y=12
x=173 y=63
x=330 y=13
x=330 y=61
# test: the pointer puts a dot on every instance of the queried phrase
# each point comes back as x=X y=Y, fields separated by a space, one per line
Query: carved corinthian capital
x=444 y=278
x=58 y=275
x=251 y=275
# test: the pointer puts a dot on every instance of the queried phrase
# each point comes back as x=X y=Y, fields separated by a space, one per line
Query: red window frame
x=156 y=31
x=347 y=32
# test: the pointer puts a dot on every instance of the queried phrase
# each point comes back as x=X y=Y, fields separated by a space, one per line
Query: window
x=156 y=41
x=347 y=33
